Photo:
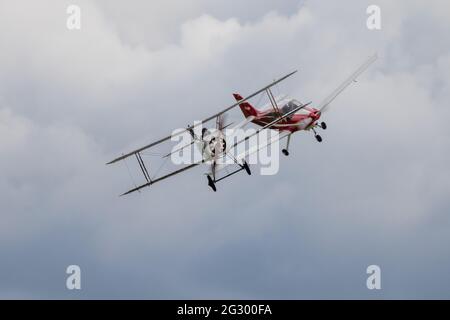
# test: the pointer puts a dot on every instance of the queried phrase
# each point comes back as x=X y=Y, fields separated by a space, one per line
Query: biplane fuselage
x=306 y=117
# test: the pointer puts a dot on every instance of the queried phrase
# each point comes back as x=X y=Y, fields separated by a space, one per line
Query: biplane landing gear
x=246 y=167
x=211 y=183
x=323 y=125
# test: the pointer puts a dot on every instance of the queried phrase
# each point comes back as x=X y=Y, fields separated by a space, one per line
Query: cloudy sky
x=376 y=191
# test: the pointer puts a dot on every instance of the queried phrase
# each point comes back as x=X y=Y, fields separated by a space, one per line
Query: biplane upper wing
x=325 y=103
x=203 y=121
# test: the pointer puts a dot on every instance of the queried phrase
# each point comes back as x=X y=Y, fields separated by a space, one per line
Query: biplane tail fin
x=246 y=108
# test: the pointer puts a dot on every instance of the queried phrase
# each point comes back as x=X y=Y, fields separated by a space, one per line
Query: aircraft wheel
x=318 y=138
x=285 y=152
x=211 y=183
x=247 y=168
x=323 y=125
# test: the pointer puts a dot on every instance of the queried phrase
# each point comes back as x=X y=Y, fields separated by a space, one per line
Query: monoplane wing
x=325 y=103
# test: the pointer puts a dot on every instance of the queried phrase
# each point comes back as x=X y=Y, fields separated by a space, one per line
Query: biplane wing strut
x=143 y=168
x=273 y=102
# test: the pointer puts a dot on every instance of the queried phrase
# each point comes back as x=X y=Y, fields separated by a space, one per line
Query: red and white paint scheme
x=302 y=120
x=306 y=118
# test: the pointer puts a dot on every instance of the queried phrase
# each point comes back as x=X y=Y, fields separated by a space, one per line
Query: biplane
x=284 y=114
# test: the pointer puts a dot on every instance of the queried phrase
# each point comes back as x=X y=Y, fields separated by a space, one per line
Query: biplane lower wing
x=162 y=178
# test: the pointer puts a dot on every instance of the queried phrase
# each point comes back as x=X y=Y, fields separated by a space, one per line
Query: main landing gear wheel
x=318 y=138
x=285 y=152
x=323 y=125
x=247 y=168
x=211 y=183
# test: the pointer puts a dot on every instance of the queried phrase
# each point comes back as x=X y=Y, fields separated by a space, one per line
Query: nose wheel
x=323 y=125
x=285 y=152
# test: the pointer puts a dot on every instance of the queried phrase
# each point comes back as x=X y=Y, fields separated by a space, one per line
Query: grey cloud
x=375 y=192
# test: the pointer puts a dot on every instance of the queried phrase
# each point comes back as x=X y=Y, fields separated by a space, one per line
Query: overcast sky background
x=376 y=191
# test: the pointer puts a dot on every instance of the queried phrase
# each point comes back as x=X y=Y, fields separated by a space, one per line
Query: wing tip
x=128 y=192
